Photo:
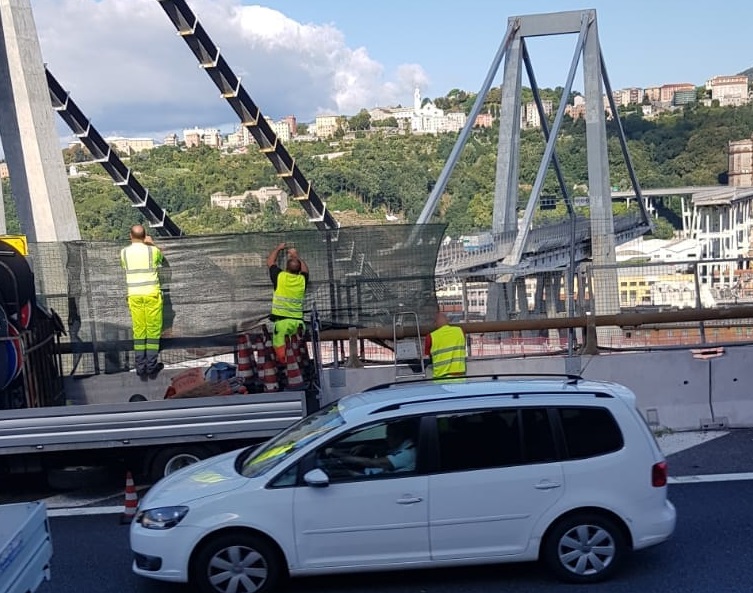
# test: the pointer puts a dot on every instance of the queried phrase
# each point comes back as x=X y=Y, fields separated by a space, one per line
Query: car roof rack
x=572 y=379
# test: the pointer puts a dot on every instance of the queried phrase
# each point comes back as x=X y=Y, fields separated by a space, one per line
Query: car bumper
x=163 y=554
x=656 y=529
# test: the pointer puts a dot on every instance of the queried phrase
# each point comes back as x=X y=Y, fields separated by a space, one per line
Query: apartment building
x=653 y=94
x=281 y=130
x=292 y=124
x=740 y=162
x=326 y=125
x=529 y=114
x=667 y=91
x=170 y=140
x=262 y=195
x=4 y=174
x=629 y=96
x=129 y=145
x=728 y=90
x=198 y=136
x=484 y=120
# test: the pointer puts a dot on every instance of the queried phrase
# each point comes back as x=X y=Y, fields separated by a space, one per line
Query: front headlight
x=162 y=518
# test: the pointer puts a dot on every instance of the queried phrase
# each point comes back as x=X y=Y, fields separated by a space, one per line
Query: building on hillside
x=292 y=124
x=281 y=130
x=262 y=195
x=326 y=125
x=578 y=108
x=529 y=114
x=130 y=145
x=740 y=162
x=4 y=174
x=728 y=90
x=629 y=96
x=667 y=92
x=170 y=140
x=484 y=120
x=198 y=136
x=684 y=97
x=652 y=94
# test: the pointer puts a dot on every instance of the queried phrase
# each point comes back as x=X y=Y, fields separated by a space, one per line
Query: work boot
x=157 y=369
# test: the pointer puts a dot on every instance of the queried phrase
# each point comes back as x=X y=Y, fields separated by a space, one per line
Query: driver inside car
x=400 y=456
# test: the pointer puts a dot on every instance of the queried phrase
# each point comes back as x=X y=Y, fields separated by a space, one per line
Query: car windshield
x=261 y=459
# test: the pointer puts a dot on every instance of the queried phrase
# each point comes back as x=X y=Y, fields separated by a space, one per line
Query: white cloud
x=129 y=71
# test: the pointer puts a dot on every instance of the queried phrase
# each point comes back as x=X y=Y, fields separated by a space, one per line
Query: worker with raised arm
x=289 y=290
x=446 y=347
x=140 y=261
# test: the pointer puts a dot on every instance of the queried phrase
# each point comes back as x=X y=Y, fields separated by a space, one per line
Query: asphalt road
x=711 y=551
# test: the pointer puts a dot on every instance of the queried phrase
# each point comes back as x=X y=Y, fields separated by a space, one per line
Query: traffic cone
x=292 y=370
x=246 y=360
x=131 y=500
x=305 y=360
x=267 y=365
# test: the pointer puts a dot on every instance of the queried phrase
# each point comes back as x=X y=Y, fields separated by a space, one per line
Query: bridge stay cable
x=214 y=64
x=230 y=87
x=106 y=156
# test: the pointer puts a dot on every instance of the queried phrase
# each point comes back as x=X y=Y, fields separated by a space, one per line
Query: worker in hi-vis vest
x=446 y=347
x=287 y=301
x=140 y=261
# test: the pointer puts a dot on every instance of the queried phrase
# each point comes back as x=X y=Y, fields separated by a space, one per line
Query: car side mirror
x=316 y=478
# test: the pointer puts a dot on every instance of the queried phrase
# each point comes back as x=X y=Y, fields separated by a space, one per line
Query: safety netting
x=216 y=286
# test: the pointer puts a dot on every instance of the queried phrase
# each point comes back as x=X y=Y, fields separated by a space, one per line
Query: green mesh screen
x=215 y=286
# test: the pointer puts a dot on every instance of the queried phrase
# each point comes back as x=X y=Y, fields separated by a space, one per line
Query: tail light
x=659 y=474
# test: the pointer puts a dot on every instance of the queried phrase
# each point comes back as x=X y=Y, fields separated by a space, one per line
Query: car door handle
x=547 y=485
x=409 y=500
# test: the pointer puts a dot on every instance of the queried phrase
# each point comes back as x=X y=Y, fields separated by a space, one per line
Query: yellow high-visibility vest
x=448 y=351
x=140 y=262
x=287 y=300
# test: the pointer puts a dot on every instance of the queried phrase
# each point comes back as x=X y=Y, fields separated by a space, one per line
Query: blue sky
x=132 y=75
x=645 y=43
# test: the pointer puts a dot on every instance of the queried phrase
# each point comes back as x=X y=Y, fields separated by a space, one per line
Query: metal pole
x=332 y=289
x=698 y=303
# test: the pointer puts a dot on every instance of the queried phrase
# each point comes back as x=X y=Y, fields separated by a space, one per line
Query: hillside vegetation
x=382 y=174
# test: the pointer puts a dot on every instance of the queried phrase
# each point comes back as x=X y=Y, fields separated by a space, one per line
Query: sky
x=132 y=75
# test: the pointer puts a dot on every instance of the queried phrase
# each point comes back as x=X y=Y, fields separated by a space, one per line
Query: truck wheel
x=238 y=562
x=75 y=477
x=170 y=460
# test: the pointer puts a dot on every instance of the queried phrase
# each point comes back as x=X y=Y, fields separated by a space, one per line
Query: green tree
x=360 y=121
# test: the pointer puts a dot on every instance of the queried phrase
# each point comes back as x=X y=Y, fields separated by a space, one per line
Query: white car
x=419 y=475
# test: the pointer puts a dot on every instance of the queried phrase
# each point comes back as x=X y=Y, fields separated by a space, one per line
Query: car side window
x=538 y=438
x=590 y=432
x=376 y=451
x=478 y=440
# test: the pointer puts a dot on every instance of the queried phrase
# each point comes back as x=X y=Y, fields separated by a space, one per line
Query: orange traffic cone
x=292 y=371
x=131 y=500
x=246 y=360
x=267 y=365
x=305 y=360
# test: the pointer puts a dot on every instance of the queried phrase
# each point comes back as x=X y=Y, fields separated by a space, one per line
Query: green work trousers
x=284 y=328
x=146 y=315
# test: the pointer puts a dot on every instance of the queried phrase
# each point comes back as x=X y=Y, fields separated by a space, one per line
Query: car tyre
x=238 y=562
x=584 y=548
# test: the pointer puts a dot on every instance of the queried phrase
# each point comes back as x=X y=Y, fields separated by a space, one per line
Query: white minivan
x=416 y=475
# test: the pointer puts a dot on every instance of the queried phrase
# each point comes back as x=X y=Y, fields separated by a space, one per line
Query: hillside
x=381 y=174
x=748 y=73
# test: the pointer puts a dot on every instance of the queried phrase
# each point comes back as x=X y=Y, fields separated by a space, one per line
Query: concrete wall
x=674 y=389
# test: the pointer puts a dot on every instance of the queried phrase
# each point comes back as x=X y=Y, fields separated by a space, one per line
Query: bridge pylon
x=524 y=256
